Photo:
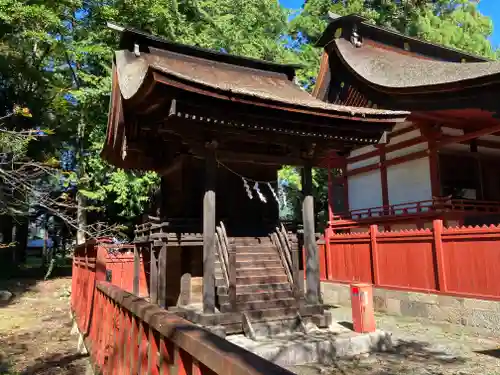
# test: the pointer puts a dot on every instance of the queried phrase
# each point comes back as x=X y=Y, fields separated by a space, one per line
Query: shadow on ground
x=59 y=362
x=22 y=280
x=407 y=357
x=495 y=353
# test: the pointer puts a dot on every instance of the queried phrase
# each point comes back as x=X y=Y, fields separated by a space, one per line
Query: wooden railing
x=289 y=254
x=435 y=205
x=227 y=259
x=128 y=335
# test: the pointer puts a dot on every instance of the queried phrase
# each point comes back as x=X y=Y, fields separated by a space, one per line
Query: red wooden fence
x=462 y=261
x=127 y=335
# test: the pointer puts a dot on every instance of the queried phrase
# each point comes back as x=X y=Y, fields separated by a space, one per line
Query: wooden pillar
x=383 y=177
x=434 y=169
x=209 y=231
x=384 y=183
x=312 y=257
x=162 y=276
x=153 y=277
x=137 y=269
x=330 y=193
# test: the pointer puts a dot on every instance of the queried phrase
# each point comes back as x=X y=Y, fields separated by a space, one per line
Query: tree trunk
x=81 y=217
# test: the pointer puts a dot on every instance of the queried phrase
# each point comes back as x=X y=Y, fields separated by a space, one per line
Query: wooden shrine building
x=217 y=128
x=443 y=161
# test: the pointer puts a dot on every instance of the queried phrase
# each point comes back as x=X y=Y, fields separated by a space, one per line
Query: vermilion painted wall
x=462 y=261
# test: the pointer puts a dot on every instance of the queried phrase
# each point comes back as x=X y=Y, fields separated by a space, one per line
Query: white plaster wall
x=362 y=163
x=365 y=190
x=402 y=125
x=407 y=150
x=409 y=181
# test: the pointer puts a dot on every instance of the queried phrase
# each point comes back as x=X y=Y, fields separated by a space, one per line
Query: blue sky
x=489 y=8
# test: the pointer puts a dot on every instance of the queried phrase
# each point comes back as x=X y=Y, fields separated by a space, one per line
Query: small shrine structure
x=442 y=162
x=217 y=128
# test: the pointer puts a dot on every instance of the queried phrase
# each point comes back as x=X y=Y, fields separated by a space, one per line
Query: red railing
x=418 y=209
x=127 y=335
x=460 y=261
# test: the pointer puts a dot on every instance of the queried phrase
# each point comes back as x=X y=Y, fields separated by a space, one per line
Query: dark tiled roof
x=390 y=69
x=130 y=37
x=394 y=38
x=229 y=78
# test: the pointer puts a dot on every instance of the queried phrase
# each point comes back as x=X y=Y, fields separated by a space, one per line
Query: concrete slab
x=317 y=346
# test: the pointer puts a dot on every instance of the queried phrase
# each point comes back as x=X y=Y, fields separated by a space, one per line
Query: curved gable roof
x=392 y=70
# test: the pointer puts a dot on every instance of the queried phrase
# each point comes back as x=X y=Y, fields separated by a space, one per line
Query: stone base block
x=456 y=310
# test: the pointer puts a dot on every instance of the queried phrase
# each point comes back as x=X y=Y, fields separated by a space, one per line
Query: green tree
x=452 y=23
x=253 y=29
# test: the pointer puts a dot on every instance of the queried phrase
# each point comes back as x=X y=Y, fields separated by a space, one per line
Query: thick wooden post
x=434 y=169
x=439 y=256
x=153 y=277
x=209 y=232
x=312 y=259
x=162 y=276
x=374 y=254
x=137 y=269
x=330 y=193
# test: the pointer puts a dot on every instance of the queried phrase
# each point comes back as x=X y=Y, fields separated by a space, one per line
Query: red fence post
x=437 y=226
x=328 y=255
x=374 y=254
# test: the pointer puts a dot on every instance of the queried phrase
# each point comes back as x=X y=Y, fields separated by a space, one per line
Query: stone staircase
x=263 y=291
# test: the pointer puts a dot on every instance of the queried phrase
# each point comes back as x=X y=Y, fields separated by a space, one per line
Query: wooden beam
x=286 y=109
x=174 y=165
x=209 y=230
x=484 y=143
x=312 y=258
x=388 y=148
x=395 y=161
x=187 y=129
x=469 y=135
x=245 y=157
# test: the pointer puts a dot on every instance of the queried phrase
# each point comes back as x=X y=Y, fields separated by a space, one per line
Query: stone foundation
x=465 y=311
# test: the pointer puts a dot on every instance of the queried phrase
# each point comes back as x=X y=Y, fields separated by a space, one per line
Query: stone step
x=272 y=314
x=259 y=288
x=282 y=325
x=264 y=263
x=261 y=296
x=261 y=279
x=256 y=256
x=253 y=280
x=256 y=249
x=259 y=305
x=260 y=263
x=250 y=241
x=254 y=271
x=260 y=271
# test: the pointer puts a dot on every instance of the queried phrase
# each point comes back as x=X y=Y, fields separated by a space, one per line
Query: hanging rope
x=256 y=183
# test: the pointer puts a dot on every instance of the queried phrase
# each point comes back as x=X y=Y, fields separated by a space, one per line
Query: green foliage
x=453 y=23
x=56 y=60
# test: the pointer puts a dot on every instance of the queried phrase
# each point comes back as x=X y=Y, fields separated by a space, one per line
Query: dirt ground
x=35 y=330
x=35 y=339
x=422 y=348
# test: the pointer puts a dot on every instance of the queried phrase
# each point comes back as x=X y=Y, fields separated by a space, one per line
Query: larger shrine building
x=443 y=161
